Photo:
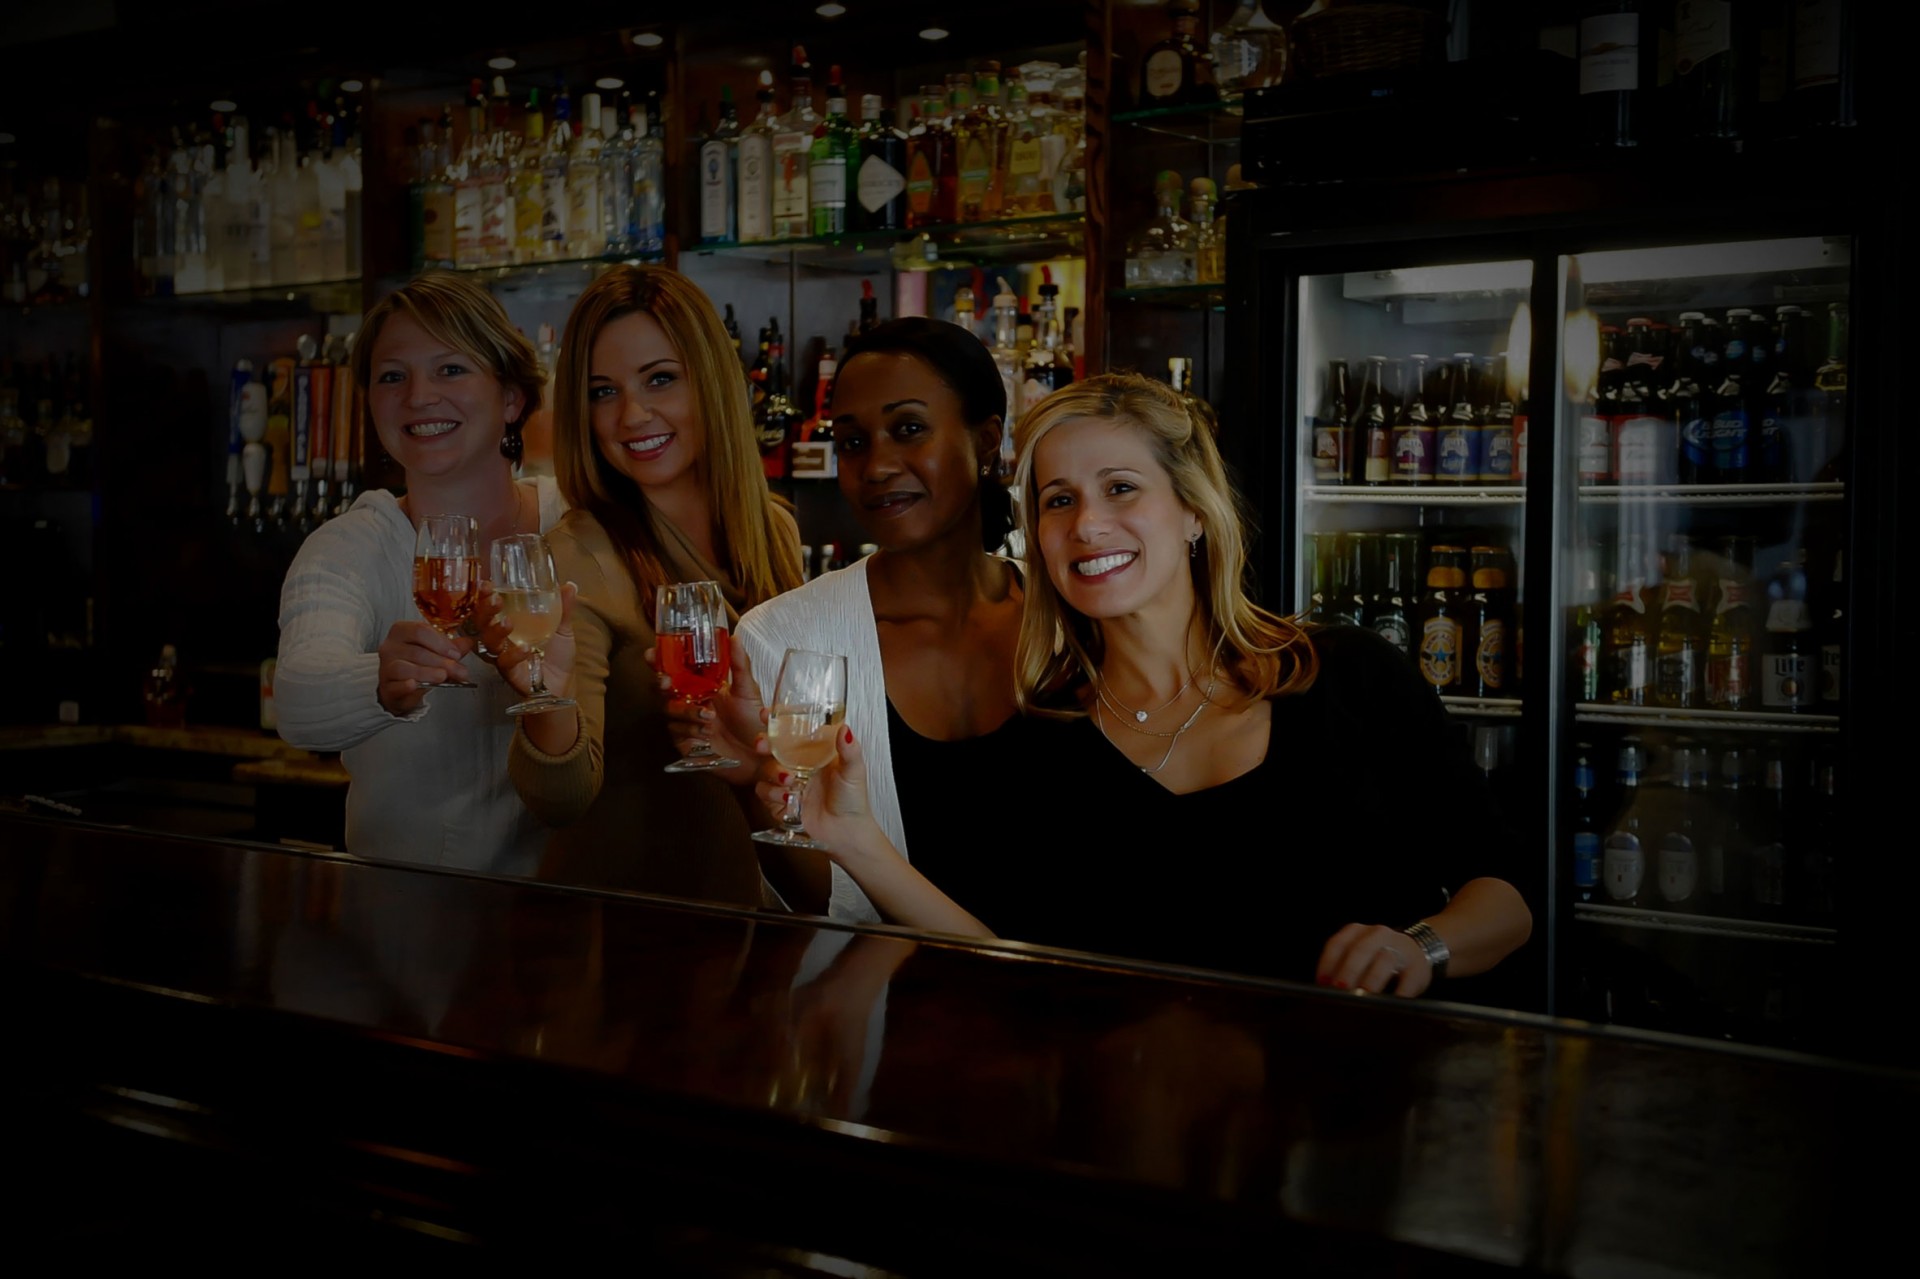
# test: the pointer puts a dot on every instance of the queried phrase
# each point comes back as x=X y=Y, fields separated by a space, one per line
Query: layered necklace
x=1108 y=703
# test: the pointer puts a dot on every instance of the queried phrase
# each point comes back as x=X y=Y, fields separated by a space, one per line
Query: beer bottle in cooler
x=1627 y=656
x=1497 y=461
x=1687 y=400
x=1623 y=854
x=1644 y=449
x=1319 y=548
x=1371 y=429
x=1827 y=410
x=1593 y=437
x=1459 y=438
x=1773 y=838
x=1732 y=416
x=1776 y=446
x=1357 y=558
x=1733 y=635
x=1833 y=638
x=1676 y=869
x=1487 y=638
x=1386 y=616
x=1788 y=680
x=1331 y=436
x=1413 y=429
x=1441 y=627
x=1586 y=827
x=1587 y=630
x=1726 y=869
x=1680 y=660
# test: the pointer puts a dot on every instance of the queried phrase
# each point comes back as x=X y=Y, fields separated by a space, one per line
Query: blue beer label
x=1696 y=444
x=1456 y=453
x=1771 y=446
x=1586 y=859
x=1736 y=350
x=1731 y=438
x=1498 y=467
x=1413 y=454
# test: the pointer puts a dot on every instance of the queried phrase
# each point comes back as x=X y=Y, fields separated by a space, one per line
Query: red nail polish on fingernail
x=783 y=778
x=1339 y=985
x=849 y=737
x=786 y=797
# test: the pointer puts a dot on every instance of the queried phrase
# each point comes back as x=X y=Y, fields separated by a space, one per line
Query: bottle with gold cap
x=1488 y=628
x=1440 y=635
x=1209 y=236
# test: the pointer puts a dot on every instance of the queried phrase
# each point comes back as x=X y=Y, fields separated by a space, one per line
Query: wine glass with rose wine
x=446 y=577
x=521 y=570
x=690 y=628
x=809 y=707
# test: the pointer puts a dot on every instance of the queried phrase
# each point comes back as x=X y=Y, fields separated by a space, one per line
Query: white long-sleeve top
x=429 y=787
x=834 y=614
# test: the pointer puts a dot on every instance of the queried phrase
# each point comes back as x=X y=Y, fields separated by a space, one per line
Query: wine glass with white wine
x=523 y=577
x=808 y=709
x=446 y=577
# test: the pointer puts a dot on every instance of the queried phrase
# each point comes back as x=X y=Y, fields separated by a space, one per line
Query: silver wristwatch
x=1432 y=946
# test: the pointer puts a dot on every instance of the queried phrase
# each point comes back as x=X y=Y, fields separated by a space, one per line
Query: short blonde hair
x=763 y=555
x=457 y=310
x=1060 y=648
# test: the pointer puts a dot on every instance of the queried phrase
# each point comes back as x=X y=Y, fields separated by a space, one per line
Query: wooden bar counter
x=219 y=1048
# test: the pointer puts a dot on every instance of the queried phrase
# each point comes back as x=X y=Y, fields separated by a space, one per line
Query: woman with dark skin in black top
x=916 y=412
x=1218 y=786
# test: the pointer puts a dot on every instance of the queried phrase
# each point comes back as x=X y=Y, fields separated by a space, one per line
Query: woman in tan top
x=654 y=450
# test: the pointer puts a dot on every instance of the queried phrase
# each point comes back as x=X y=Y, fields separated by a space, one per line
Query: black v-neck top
x=1366 y=809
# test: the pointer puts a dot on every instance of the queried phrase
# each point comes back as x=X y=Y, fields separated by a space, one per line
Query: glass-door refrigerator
x=1596 y=476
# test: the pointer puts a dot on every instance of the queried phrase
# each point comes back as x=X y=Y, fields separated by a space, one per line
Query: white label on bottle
x=1163 y=75
x=713 y=192
x=1595 y=451
x=756 y=169
x=790 y=178
x=1641 y=455
x=1610 y=52
x=1393 y=628
x=466 y=223
x=1679 y=872
x=1830 y=673
x=829 y=181
x=1816 y=43
x=1786 y=681
x=1701 y=29
x=880 y=184
x=1622 y=866
x=583 y=207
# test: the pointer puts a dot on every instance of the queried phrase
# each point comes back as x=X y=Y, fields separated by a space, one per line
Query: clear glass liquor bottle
x=617 y=177
x=1209 y=237
x=880 y=183
x=647 y=210
x=719 y=161
x=586 y=237
x=987 y=123
x=525 y=161
x=554 y=167
x=1023 y=157
x=827 y=161
x=1070 y=125
x=496 y=184
x=469 y=180
x=1174 y=73
x=1161 y=252
x=756 y=168
x=792 y=147
x=1248 y=51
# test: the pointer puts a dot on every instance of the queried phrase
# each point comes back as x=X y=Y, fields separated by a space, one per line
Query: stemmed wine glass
x=696 y=652
x=446 y=577
x=523 y=577
x=809 y=706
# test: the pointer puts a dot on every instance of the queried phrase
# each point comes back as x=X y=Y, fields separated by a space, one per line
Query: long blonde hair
x=762 y=551
x=1060 y=648
x=459 y=311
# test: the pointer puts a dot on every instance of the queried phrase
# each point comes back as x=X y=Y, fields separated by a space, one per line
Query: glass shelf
x=341 y=296
x=1230 y=108
x=1420 y=494
x=1183 y=297
x=1036 y=238
x=1712 y=494
x=1482 y=707
x=1668 y=921
x=1713 y=721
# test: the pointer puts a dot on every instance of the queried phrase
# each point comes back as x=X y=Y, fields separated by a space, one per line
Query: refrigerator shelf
x=1712 y=494
x=1419 y=495
x=1668 y=921
x=1666 y=717
x=1483 y=707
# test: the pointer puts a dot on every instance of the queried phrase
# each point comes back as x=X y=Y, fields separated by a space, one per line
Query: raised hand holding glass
x=808 y=710
x=691 y=635
x=446 y=576
x=521 y=568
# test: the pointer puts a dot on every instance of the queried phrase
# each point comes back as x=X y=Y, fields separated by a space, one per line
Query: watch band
x=1432 y=945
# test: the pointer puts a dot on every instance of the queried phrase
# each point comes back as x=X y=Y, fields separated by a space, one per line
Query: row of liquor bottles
x=1421 y=421
x=1748 y=399
x=1714 y=829
x=977 y=148
x=44 y=235
x=1171 y=250
x=46 y=428
x=210 y=216
x=1450 y=606
x=1694 y=630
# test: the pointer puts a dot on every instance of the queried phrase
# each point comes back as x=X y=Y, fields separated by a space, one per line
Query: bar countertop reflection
x=492 y=1060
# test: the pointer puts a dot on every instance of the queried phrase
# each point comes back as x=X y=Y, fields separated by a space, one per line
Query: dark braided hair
x=963 y=362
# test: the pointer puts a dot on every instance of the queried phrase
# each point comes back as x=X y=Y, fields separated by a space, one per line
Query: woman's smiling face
x=909 y=461
x=1114 y=535
x=437 y=410
x=645 y=413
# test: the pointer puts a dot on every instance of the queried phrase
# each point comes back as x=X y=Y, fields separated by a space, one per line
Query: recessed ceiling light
x=934 y=33
x=831 y=10
x=351 y=86
x=223 y=104
x=609 y=82
x=502 y=63
x=649 y=39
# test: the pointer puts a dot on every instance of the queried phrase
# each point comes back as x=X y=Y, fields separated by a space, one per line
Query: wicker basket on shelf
x=1340 y=37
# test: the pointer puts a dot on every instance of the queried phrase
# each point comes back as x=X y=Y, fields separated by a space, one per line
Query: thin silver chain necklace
x=1206 y=700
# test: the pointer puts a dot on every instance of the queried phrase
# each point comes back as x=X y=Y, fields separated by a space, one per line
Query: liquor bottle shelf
x=1717 y=721
x=1025 y=239
x=1188 y=297
x=1420 y=494
x=1712 y=494
x=1482 y=707
x=1210 y=123
x=1702 y=925
x=342 y=296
